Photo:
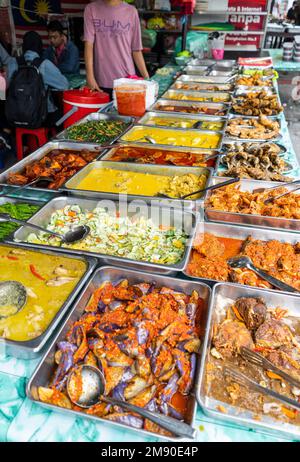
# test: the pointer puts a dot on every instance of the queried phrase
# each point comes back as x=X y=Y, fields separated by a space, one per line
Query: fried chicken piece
x=17 y=179
x=273 y=334
x=231 y=336
x=210 y=246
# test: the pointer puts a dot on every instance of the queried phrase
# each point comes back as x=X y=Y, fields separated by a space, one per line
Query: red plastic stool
x=36 y=138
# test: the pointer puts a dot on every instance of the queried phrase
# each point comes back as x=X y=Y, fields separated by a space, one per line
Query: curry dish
x=250 y=322
x=210 y=254
x=195 y=139
x=145 y=339
x=231 y=199
x=48 y=279
x=145 y=184
x=159 y=156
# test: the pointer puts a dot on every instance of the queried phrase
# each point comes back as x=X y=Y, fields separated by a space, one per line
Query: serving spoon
x=76 y=234
x=246 y=262
x=13 y=296
x=209 y=188
x=92 y=388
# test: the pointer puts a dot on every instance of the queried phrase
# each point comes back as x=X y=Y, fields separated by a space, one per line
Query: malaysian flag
x=34 y=15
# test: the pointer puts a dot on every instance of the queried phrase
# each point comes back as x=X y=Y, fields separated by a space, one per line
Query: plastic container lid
x=86 y=96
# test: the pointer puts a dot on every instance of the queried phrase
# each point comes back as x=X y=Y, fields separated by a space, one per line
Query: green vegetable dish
x=97 y=131
x=21 y=211
x=137 y=238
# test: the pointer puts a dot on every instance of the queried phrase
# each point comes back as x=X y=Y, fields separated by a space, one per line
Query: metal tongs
x=245 y=381
x=259 y=360
x=274 y=198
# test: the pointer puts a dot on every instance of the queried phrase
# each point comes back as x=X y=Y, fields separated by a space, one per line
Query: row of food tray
x=229 y=227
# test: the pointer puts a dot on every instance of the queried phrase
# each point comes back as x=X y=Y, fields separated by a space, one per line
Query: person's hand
x=92 y=84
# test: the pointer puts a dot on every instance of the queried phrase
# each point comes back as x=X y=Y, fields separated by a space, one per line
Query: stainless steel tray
x=190 y=95
x=16 y=200
x=241 y=233
x=270 y=116
x=219 y=71
x=166 y=102
x=252 y=220
x=244 y=89
x=151 y=169
x=185 y=152
x=146 y=119
x=209 y=62
x=224 y=294
x=43 y=373
x=178 y=218
x=180 y=131
x=205 y=79
x=236 y=116
x=37 y=155
x=195 y=70
x=199 y=86
x=231 y=142
x=98 y=116
x=33 y=348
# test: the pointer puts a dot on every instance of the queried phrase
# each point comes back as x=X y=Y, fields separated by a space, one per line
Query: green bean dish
x=21 y=211
x=97 y=131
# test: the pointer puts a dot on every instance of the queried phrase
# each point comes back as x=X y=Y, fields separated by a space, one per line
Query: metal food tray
x=205 y=79
x=195 y=70
x=170 y=94
x=32 y=348
x=43 y=373
x=185 y=152
x=97 y=116
x=177 y=130
x=178 y=218
x=258 y=142
x=210 y=62
x=166 y=102
x=252 y=220
x=270 y=116
x=241 y=232
x=146 y=120
x=16 y=200
x=151 y=169
x=224 y=294
x=250 y=140
x=37 y=155
x=244 y=89
x=227 y=87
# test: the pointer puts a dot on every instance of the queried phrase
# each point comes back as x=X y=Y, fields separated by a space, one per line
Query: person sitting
x=291 y=13
x=32 y=48
x=62 y=52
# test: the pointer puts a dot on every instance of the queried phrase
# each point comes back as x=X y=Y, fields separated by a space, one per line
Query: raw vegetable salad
x=137 y=239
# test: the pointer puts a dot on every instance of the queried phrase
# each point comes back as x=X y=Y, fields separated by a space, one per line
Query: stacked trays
x=151 y=241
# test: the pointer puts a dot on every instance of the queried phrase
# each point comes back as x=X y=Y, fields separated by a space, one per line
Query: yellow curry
x=195 y=139
x=177 y=122
x=48 y=279
x=145 y=184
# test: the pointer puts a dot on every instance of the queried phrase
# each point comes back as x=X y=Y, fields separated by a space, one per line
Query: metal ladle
x=92 y=388
x=246 y=262
x=13 y=296
x=74 y=235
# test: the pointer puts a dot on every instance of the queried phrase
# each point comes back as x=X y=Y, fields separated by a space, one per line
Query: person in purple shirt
x=113 y=44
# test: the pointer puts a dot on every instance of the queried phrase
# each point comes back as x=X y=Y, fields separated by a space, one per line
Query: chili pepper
x=10 y=257
x=35 y=273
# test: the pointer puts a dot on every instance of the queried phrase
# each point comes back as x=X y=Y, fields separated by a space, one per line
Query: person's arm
x=89 y=38
x=137 y=46
x=139 y=61
x=89 y=66
x=53 y=77
x=5 y=58
x=70 y=60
